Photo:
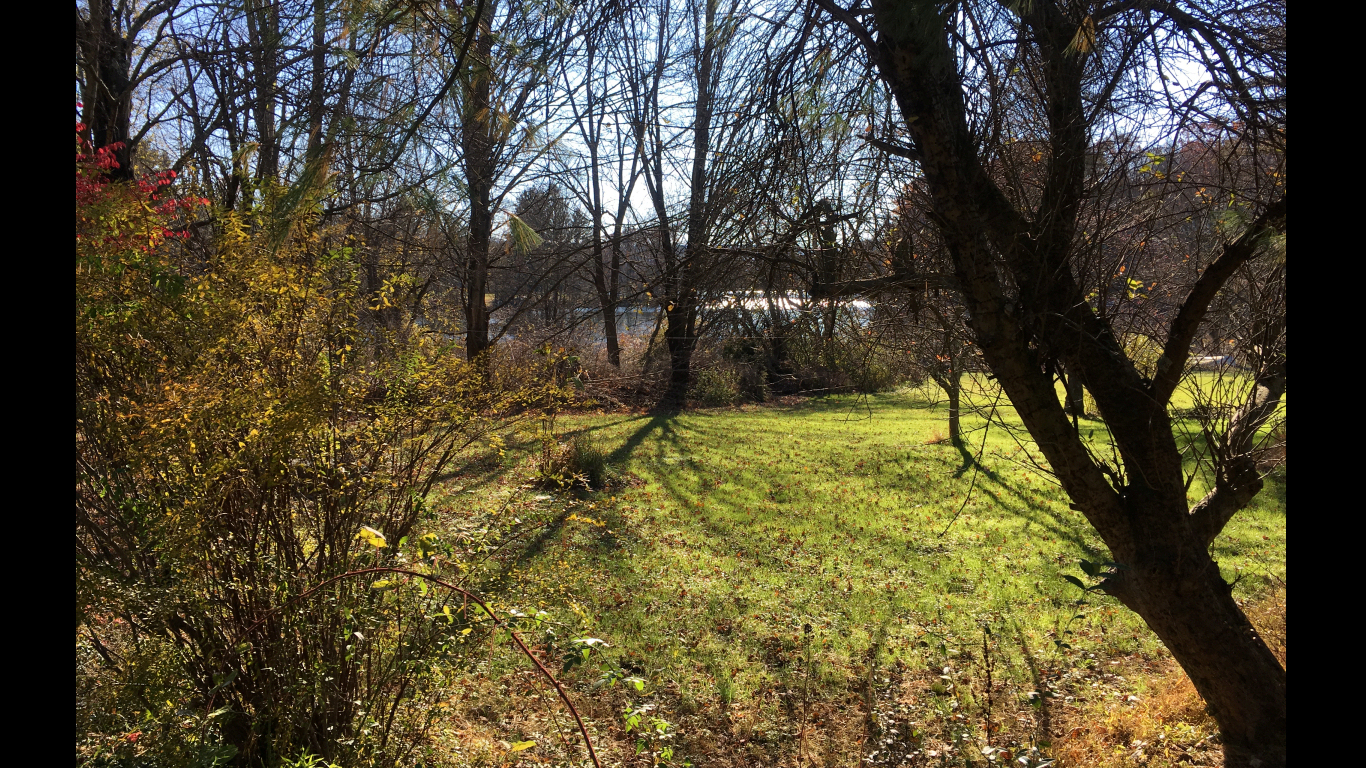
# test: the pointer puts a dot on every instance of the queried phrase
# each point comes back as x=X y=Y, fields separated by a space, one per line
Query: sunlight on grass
x=732 y=531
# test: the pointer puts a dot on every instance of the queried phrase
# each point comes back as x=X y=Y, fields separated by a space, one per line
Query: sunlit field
x=821 y=582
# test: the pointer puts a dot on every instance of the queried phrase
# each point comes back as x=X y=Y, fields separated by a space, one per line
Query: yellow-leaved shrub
x=239 y=444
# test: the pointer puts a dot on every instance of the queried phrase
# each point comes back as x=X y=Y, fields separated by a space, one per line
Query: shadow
x=477 y=470
x=604 y=426
x=741 y=537
x=1038 y=700
x=661 y=421
x=968 y=460
x=500 y=580
x=1012 y=498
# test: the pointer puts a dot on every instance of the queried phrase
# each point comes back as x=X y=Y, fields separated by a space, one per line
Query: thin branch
x=559 y=689
x=1192 y=313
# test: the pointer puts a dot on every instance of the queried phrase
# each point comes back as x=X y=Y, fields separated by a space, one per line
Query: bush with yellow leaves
x=238 y=449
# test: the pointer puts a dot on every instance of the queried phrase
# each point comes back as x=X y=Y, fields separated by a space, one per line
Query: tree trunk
x=1188 y=605
x=477 y=143
x=1076 y=397
x=106 y=93
x=781 y=374
x=477 y=273
x=829 y=270
x=372 y=290
x=263 y=30
x=614 y=271
x=318 y=82
x=614 y=297
x=1164 y=571
x=678 y=337
x=645 y=126
x=954 y=390
x=608 y=302
x=607 y=299
x=680 y=333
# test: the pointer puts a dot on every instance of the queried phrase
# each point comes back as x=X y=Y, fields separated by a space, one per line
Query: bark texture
x=1028 y=313
x=107 y=90
x=477 y=142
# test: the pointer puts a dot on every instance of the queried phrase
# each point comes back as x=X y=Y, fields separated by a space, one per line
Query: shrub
x=1143 y=351
x=578 y=463
x=587 y=460
x=715 y=387
x=235 y=450
x=874 y=376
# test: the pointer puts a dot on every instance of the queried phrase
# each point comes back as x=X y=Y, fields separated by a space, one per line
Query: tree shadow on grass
x=477 y=470
x=1050 y=519
x=968 y=460
x=1017 y=503
x=660 y=422
x=501 y=579
x=663 y=422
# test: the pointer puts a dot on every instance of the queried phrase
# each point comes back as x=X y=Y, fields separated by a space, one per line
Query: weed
x=578 y=463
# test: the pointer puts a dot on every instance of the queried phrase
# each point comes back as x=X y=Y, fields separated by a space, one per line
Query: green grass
x=732 y=530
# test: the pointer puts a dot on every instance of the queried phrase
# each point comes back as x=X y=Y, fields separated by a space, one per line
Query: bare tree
x=500 y=133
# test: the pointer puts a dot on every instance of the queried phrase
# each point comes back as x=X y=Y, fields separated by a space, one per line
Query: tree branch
x=1177 y=349
x=441 y=94
x=1236 y=485
x=874 y=285
x=852 y=23
x=893 y=148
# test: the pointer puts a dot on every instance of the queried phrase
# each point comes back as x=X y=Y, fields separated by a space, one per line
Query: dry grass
x=1125 y=711
x=936 y=437
x=1169 y=725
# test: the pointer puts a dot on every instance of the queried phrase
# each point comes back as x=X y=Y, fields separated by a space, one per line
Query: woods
x=338 y=262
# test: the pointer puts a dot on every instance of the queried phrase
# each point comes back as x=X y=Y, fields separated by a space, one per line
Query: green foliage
x=1144 y=352
x=524 y=238
x=849 y=361
x=653 y=733
x=798 y=357
x=715 y=387
x=587 y=461
x=875 y=376
x=307 y=760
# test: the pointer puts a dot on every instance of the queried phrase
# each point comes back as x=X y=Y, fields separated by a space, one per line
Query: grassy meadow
x=819 y=582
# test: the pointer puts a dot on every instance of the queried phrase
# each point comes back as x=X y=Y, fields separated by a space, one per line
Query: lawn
x=823 y=582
